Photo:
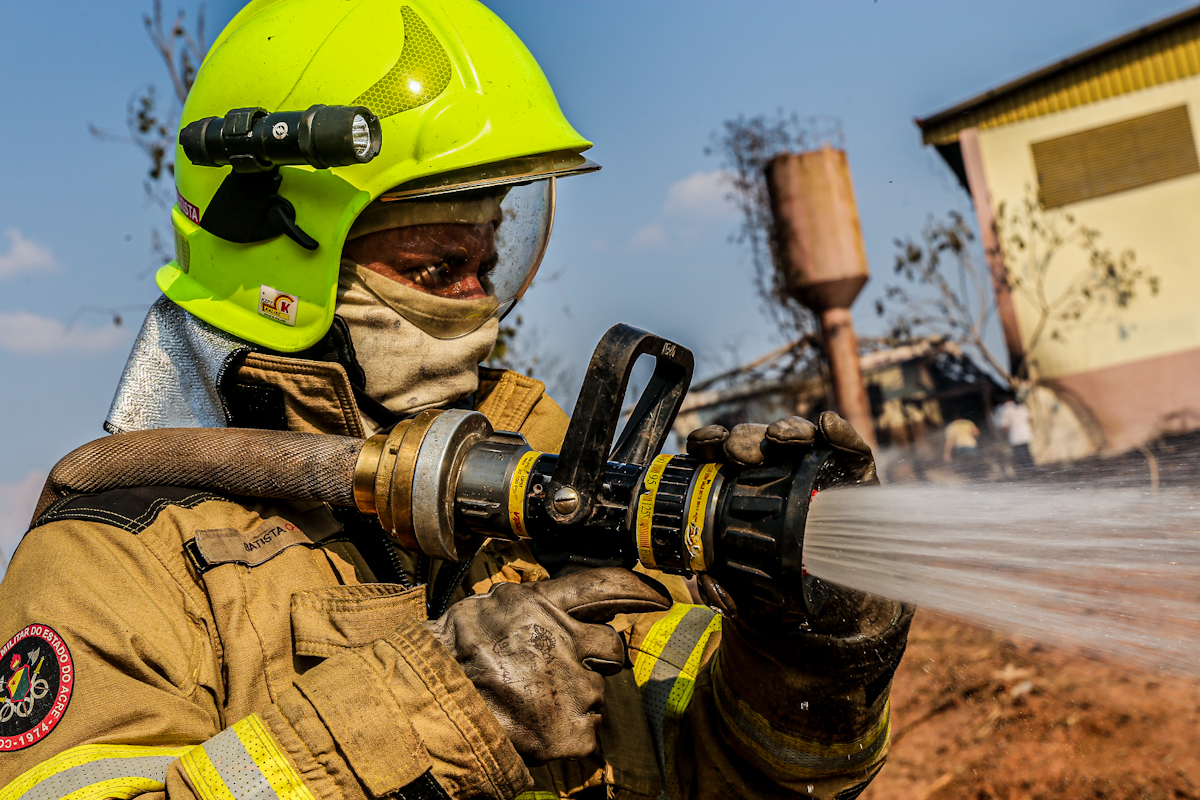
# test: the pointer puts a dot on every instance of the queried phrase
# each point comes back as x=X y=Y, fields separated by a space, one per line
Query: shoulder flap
x=508 y=397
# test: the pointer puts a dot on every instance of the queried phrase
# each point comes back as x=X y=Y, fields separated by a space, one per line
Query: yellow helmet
x=461 y=104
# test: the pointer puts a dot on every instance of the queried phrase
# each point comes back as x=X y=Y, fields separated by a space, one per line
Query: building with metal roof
x=1104 y=140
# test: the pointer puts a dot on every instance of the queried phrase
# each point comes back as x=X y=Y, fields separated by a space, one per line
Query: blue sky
x=645 y=241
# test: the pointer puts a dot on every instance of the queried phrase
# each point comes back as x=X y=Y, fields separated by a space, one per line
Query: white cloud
x=25 y=256
x=28 y=334
x=17 y=501
x=692 y=203
x=703 y=195
x=649 y=236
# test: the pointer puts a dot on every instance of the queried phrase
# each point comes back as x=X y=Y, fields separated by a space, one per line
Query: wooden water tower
x=820 y=242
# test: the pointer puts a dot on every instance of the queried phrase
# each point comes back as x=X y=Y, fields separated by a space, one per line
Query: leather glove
x=827 y=679
x=536 y=656
x=784 y=442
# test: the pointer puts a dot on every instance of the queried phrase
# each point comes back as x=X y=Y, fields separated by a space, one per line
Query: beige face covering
x=409 y=369
x=417 y=350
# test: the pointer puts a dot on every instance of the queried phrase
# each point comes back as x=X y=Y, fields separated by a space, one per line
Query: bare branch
x=1030 y=239
x=151 y=122
x=745 y=145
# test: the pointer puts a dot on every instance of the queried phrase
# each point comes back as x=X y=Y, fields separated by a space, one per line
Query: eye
x=430 y=276
x=489 y=264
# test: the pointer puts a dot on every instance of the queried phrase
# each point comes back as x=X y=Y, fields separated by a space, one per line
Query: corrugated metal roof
x=1165 y=51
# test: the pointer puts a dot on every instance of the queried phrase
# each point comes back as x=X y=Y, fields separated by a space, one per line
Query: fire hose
x=444 y=481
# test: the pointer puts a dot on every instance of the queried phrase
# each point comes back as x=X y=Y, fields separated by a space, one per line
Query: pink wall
x=1136 y=402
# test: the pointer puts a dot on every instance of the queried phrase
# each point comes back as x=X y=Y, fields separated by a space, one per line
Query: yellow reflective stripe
x=537 y=795
x=665 y=671
x=244 y=762
x=795 y=755
x=645 y=509
x=685 y=684
x=69 y=770
x=656 y=639
x=204 y=776
x=681 y=697
x=270 y=760
x=119 y=788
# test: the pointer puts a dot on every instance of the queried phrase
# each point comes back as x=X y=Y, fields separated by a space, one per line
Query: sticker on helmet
x=277 y=305
x=187 y=208
x=36 y=679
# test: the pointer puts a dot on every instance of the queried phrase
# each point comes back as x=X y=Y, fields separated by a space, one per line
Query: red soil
x=985 y=716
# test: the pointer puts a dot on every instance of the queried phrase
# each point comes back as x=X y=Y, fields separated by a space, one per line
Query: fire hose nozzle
x=445 y=480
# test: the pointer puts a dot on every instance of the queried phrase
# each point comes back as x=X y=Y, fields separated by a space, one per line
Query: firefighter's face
x=442 y=259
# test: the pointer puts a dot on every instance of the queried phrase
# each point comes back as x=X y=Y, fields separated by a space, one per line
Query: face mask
x=411 y=367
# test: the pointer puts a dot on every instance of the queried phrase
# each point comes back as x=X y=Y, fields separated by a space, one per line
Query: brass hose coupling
x=408 y=477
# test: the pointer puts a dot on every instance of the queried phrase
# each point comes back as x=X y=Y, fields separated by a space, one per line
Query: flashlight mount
x=247 y=206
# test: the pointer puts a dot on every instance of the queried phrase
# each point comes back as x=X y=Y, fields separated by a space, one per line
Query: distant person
x=1014 y=420
x=962 y=443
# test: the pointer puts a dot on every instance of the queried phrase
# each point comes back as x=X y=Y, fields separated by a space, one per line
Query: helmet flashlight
x=254 y=140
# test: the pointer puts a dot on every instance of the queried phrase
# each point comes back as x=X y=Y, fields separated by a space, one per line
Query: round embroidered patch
x=36 y=679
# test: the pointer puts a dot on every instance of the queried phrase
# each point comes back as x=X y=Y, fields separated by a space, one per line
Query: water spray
x=1114 y=570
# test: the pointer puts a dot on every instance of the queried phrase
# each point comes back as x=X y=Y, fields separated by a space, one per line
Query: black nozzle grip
x=585 y=450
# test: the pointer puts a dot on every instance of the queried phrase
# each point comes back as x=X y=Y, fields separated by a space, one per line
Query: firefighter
x=179 y=642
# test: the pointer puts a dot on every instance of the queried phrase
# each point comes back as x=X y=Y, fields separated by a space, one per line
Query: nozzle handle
x=585 y=450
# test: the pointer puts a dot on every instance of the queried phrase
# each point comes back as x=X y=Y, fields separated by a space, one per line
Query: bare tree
x=151 y=120
x=1030 y=237
x=745 y=145
x=946 y=290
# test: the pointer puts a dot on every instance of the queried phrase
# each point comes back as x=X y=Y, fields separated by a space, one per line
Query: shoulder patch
x=37 y=677
x=131 y=510
x=229 y=545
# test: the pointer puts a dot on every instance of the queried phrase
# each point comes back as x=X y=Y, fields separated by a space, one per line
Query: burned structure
x=913 y=391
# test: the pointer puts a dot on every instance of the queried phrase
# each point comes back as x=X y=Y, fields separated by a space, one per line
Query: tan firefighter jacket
x=167 y=642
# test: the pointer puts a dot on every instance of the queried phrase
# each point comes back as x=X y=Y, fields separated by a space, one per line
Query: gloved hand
x=826 y=680
x=538 y=660
x=783 y=442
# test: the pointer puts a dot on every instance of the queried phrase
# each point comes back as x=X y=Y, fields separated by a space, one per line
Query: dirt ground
x=981 y=715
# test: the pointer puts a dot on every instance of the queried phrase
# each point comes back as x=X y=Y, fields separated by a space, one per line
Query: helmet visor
x=475 y=245
x=521 y=239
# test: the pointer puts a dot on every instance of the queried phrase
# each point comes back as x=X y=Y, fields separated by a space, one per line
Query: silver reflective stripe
x=237 y=769
x=61 y=784
x=670 y=663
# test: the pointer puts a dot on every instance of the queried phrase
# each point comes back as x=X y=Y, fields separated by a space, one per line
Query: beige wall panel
x=1160 y=222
